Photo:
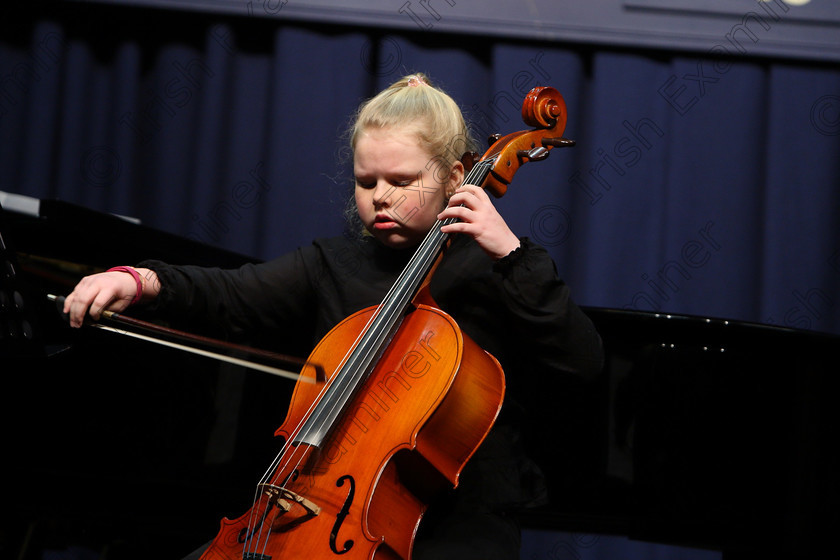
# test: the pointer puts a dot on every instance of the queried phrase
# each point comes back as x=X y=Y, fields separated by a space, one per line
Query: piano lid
x=69 y=232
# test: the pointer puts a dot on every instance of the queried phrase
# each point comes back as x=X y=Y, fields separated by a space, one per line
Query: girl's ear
x=456 y=178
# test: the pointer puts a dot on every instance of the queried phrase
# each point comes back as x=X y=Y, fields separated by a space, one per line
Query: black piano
x=701 y=432
x=704 y=433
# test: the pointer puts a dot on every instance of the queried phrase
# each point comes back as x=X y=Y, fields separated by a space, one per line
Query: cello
x=390 y=405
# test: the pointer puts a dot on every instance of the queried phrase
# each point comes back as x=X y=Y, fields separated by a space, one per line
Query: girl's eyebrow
x=408 y=175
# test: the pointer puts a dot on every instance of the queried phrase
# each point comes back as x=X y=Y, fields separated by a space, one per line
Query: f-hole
x=339 y=519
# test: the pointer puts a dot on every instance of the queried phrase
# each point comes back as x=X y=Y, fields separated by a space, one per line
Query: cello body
x=422 y=412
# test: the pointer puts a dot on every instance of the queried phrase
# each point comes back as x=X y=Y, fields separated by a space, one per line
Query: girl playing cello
x=502 y=290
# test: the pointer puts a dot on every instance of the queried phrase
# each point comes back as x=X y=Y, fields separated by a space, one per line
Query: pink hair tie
x=415 y=81
x=137 y=278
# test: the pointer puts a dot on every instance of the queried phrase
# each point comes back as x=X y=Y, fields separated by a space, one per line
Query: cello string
x=424 y=255
x=420 y=261
x=398 y=296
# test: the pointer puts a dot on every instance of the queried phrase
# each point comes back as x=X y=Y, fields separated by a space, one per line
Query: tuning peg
x=534 y=154
x=493 y=138
x=558 y=142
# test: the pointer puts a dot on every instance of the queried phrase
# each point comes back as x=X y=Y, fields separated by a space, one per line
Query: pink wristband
x=137 y=278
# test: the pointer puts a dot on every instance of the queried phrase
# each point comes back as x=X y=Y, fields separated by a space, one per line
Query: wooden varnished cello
x=398 y=403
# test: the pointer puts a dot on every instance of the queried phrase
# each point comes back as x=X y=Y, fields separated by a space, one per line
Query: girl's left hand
x=480 y=220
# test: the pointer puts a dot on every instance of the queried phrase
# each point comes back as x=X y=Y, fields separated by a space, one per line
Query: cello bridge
x=284 y=499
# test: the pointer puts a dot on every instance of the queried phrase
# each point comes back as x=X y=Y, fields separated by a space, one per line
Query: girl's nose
x=382 y=194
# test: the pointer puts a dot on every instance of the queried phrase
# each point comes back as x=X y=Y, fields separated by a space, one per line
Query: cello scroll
x=544 y=109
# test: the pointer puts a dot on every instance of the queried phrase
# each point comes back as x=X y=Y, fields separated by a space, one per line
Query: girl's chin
x=394 y=240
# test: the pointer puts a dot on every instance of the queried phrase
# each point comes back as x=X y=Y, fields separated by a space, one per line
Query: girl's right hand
x=111 y=291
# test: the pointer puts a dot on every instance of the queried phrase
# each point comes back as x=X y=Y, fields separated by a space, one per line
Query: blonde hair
x=436 y=118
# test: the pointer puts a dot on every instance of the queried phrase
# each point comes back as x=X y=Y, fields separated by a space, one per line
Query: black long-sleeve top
x=517 y=308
